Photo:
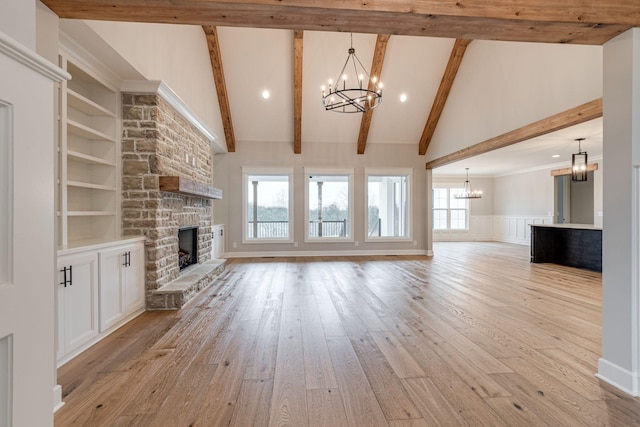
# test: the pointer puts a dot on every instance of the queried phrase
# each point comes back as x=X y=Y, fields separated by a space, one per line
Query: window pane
x=440 y=198
x=439 y=219
x=328 y=206
x=458 y=219
x=267 y=207
x=387 y=210
x=457 y=203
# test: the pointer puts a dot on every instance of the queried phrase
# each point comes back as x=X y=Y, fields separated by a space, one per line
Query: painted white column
x=429 y=219
x=621 y=182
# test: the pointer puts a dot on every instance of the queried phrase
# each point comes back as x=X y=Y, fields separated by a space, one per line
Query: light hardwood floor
x=475 y=335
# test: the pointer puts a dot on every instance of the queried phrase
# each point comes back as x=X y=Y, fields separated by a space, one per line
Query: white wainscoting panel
x=480 y=229
x=499 y=228
x=516 y=229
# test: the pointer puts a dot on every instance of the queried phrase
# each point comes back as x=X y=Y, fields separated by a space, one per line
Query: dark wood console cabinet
x=573 y=245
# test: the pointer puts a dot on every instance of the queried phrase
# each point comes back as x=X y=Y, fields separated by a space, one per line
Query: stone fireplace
x=158 y=142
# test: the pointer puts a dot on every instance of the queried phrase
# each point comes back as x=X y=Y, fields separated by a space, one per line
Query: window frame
x=336 y=172
x=389 y=172
x=248 y=171
x=467 y=209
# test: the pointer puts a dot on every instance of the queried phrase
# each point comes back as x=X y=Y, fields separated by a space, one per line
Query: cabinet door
x=111 y=295
x=133 y=279
x=78 y=302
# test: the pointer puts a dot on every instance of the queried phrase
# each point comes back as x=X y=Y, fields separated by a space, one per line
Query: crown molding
x=25 y=56
x=160 y=88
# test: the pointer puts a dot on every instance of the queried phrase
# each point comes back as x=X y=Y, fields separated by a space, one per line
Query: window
x=329 y=198
x=449 y=213
x=388 y=204
x=268 y=205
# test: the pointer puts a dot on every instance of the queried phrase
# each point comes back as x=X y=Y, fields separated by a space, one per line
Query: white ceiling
x=534 y=153
x=256 y=60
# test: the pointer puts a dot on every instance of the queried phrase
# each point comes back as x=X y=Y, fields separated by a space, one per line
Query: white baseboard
x=618 y=377
x=323 y=253
x=57 y=398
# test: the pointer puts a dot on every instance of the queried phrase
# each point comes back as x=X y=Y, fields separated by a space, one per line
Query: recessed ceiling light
x=403 y=98
x=266 y=94
x=556 y=156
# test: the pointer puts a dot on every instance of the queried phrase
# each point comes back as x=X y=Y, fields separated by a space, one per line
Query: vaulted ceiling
x=307 y=44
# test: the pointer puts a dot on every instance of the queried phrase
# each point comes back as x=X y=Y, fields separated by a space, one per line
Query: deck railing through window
x=280 y=229
x=328 y=228
x=268 y=229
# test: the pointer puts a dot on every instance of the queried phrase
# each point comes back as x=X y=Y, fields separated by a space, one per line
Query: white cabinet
x=133 y=283
x=217 y=237
x=100 y=288
x=121 y=283
x=77 y=302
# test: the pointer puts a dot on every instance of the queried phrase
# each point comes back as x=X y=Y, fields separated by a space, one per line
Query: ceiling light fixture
x=356 y=98
x=467 y=193
x=579 y=164
x=555 y=156
x=266 y=94
x=403 y=98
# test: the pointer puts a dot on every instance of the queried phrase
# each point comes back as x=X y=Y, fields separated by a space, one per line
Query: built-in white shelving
x=88 y=169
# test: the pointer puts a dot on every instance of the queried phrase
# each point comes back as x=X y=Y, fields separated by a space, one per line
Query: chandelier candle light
x=467 y=193
x=354 y=99
x=579 y=164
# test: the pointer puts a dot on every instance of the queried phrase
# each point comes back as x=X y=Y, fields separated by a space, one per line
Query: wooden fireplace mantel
x=178 y=184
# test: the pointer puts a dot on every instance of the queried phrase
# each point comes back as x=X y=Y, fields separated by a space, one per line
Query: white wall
x=47 y=33
x=528 y=193
x=501 y=86
x=17 y=20
x=175 y=54
x=228 y=175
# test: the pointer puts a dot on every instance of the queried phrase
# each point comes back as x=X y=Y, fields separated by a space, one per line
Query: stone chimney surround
x=167 y=182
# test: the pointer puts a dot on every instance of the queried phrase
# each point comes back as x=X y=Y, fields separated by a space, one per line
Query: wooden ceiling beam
x=376 y=70
x=221 y=87
x=567 y=171
x=594 y=12
x=297 y=91
x=449 y=76
x=570 y=21
x=580 y=114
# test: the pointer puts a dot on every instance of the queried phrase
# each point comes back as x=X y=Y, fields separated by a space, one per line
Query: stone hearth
x=159 y=141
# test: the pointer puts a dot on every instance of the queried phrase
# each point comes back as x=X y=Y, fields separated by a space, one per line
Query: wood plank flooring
x=475 y=335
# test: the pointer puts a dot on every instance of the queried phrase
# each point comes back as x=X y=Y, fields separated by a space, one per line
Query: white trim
x=6 y=193
x=162 y=89
x=278 y=254
x=386 y=172
x=618 y=377
x=7 y=387
x=248 y=170
x=57 y=398
x=350 y=174
x=25 y=56
x=88 y=62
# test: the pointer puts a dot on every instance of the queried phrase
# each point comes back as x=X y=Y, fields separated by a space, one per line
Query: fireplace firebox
x=187 y=247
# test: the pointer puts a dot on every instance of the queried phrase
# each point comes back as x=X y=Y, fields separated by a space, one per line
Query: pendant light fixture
x=467 y=192
x=352 y=93
x=579 y=164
